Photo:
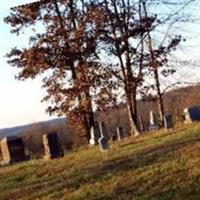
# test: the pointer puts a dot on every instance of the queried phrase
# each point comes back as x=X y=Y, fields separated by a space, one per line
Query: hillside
x=157 y=166
x=18 y=130
x=174 y=100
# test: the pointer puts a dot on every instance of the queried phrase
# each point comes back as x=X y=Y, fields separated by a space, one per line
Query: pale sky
x=20 y=102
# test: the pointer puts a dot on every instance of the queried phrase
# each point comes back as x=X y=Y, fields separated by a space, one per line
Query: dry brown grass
x=157 y=166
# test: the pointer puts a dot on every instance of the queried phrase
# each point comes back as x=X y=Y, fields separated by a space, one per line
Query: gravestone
x=52 y=146
x=120 y=134
x=152 y=120
x=103 y=131
x=114 y=137
x=94 y=134
x=192 y=114
x=168 y=121
x=141 y=124
x=103 y=144
x=12 y=150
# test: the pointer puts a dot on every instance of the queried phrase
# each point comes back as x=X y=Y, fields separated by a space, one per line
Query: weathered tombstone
x=192 y=114
x=52 y=146
x=92 y=136
x=141 y=124
x=152 y=119
x=153 y=125
x=103 y=144
x=12 y=150
x=114 y=137
x=168 y=121
x=103 y=131
x=120 y=134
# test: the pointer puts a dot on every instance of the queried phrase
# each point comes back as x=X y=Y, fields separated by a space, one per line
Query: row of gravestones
x=13 y=149
x=99 y=135
x=191 y=114
x=167 y=119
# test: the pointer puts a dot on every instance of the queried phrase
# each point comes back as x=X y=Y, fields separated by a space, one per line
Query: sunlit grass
x=157 y=166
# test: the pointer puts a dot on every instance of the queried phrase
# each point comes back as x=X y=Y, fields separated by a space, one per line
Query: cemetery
x=162 y=161
x=109 y=102
x=13 y=149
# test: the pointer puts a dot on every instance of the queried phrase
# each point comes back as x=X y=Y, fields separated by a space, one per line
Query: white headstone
x=153 y=126
x=103 y=130
x=152 y=118
x=92 y=136
x=120 y=134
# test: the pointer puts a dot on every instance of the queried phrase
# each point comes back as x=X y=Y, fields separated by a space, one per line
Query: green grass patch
x=155 y=166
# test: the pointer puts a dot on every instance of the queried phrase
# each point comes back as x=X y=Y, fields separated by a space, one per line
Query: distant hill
x=175 y=101
x=20 y=130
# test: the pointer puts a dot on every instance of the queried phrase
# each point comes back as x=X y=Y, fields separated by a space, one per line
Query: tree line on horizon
x=97 y=54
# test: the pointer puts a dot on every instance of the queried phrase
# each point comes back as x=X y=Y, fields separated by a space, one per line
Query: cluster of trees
x=95 y=54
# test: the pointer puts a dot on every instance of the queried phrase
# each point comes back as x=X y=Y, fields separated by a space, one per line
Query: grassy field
x=157 y=166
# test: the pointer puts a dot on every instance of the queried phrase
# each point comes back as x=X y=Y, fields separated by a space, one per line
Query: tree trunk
x=154 y=66
x=87 y=129
x=159 y=97
x=133 y=126
x=91 y=122
x=131 y=108
x=134 y=102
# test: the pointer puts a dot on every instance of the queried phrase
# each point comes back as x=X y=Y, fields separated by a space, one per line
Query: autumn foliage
x=69 y=42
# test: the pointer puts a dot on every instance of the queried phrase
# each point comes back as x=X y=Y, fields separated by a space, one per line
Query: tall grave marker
x=94 y=134
x=152 y=120
x=103 y=140
x=120 y=133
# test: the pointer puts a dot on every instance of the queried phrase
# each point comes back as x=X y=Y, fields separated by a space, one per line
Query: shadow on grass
x=93 y=173
x=158 y=189
x=143 y=158
x=138 y=160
